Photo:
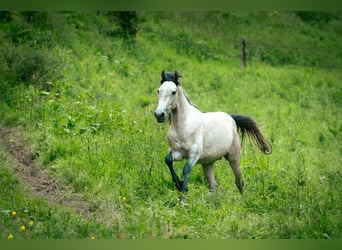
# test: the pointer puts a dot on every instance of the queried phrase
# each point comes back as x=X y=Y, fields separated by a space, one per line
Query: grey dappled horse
x=201 y=137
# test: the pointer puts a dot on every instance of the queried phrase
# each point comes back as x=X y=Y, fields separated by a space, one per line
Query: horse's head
x=167 y=94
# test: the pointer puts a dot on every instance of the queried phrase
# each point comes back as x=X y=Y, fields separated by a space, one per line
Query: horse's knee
x=168 y=159
x=187 y=169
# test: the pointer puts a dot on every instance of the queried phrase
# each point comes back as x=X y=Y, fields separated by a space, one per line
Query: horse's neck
x=184 y=109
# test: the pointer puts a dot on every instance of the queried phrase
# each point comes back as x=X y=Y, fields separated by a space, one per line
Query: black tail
x=249 y=126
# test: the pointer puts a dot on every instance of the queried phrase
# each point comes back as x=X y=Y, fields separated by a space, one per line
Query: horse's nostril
x=160 y=116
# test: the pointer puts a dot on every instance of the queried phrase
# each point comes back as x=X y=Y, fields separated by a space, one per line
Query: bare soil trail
x=36 y=179
x=25 y=167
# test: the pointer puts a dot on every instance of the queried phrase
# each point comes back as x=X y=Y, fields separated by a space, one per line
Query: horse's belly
x=214 y=152
x=217 y=137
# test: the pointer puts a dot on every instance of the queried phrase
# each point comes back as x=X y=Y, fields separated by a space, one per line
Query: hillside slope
x=79 y=92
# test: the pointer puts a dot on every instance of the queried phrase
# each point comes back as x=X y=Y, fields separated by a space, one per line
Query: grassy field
x=77 y=102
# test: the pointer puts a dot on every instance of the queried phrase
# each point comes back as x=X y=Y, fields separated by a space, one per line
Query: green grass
x=95 y=134
x=27 y=216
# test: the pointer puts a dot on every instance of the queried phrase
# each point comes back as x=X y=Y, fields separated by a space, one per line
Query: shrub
x=24 y=64
x=128 y=22
x=25 y=54
x=5 y=16
x=318 y=17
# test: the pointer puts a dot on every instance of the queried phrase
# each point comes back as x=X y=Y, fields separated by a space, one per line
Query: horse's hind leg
x=208 y=171
x=234 y=157
x=235 y=165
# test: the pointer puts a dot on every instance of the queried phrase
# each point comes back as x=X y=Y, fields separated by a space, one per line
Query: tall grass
x=94 y=133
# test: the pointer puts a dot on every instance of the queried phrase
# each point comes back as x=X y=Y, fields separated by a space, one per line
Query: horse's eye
x=173 y=92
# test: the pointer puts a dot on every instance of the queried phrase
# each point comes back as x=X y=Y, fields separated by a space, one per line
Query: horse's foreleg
x=169 y=162
x=187 y=170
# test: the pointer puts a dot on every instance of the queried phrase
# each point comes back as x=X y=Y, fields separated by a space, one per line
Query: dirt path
x=33 y=176
x=25 y=167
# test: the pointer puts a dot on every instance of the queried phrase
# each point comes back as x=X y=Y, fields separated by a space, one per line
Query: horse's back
x=219 y=121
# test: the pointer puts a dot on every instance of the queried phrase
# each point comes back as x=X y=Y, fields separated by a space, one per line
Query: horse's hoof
x=240 y=185
x=213 y=189
x=182 y=200
x=241 y=189
x=179 y=185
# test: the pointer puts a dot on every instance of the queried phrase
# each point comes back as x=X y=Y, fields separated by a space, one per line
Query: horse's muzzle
x=160 y=116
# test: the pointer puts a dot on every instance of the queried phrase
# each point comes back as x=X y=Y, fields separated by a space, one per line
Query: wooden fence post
x=244 y=52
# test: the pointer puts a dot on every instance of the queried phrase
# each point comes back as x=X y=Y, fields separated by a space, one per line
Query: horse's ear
x=163 y=76
x=177 y=76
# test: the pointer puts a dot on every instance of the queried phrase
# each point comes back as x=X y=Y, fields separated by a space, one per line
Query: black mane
x=169 y=76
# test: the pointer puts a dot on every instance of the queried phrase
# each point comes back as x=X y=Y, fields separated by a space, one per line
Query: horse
x=200 y=137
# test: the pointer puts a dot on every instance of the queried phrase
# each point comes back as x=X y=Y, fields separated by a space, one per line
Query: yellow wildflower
x=31 y=223
x=23 y=228
x=122 y=198
x=14 y=213
x=10 y=236
x=92 y=237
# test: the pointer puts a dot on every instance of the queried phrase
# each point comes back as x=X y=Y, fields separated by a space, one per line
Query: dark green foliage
x=25 y=54
x=5 y=16
x=29 y=37
x=27 y=65
x=128 y=22
x=321 y=17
